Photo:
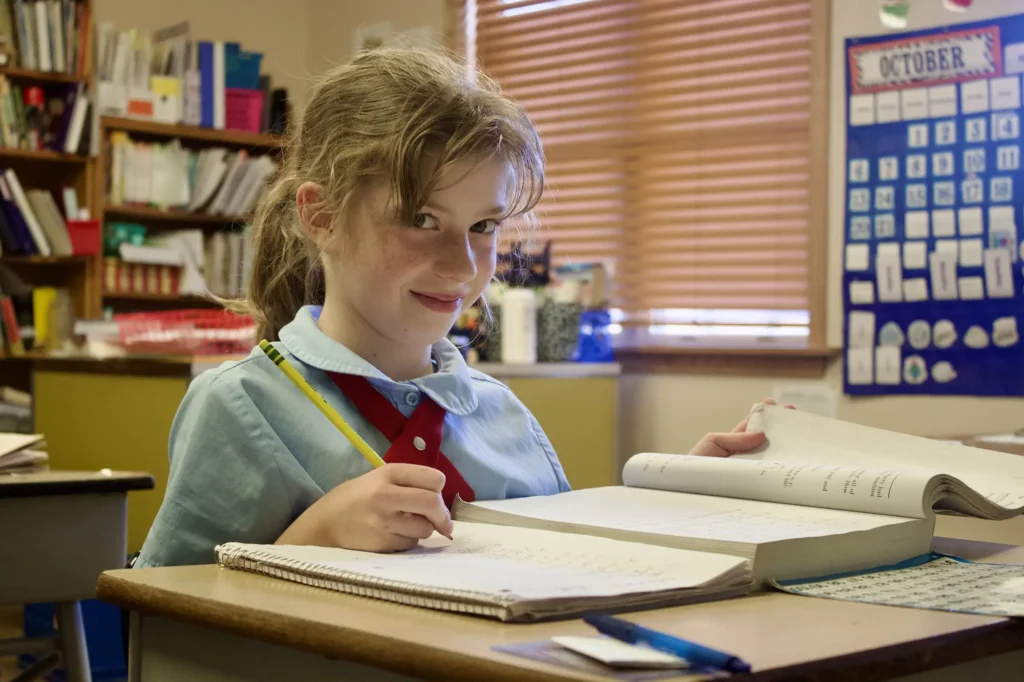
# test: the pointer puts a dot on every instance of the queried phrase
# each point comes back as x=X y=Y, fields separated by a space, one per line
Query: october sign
x=928 y=60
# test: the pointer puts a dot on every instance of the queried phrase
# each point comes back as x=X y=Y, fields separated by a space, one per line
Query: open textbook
x=512 y=574
x=821 y=497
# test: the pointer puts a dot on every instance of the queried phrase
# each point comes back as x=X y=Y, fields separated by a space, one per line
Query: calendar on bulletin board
x=933 y=286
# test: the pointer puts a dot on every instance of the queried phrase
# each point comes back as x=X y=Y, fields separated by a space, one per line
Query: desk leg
x=72 y=641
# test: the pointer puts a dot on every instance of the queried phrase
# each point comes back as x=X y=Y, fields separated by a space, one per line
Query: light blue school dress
x=249 y=452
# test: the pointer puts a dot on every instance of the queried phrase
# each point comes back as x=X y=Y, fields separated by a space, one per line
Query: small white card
x=617 y=654
x=974 y=96
x=860 y=366
x=858 y=257
x=942 y=101
x=945 y=193
x=976 y=129
x=974 y=160
x=915 y=289
x=885 y=226
x=943 y=271
x=1000 y=217
x=860 y=170
x=917 y=135
x=888 y=168
x=885 y=198
x=972 y=253
x=862 y=110
x=944 y=223
x=915 y=255
x=970 y=221
x=860 y=200
x=942 y=164
x=972 y=288
x=945 y=133
x=1005 y=125
x=862 y=292
x=947 y=246
x=915 y=225
x=1008 y=157
x=888 y=365
x=998 y=274
x=1013 y=58
x=913 y=103
x=917 y=166
x=1005 y=92
x=887 y=107
x=860 y=329
x=889 y=250
x=889 y=271
x=860 y=227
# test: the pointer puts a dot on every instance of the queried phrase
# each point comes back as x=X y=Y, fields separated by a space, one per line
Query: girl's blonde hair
x=373 y=119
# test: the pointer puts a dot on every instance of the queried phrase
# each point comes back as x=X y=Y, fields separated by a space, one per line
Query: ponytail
x=286 y=269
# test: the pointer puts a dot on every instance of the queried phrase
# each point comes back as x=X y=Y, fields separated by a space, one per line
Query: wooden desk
x=206 y=624
x=59 y=531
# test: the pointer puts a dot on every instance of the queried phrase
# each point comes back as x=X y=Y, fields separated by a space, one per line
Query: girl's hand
x=734 y=442
x=389 y=509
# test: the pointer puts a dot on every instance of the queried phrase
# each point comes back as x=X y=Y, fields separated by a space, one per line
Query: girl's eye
x=424 y=220
x=485 y=226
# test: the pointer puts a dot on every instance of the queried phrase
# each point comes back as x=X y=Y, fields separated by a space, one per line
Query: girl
x=385 y=214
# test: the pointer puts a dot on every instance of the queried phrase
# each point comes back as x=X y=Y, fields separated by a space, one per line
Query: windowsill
x=726 y=360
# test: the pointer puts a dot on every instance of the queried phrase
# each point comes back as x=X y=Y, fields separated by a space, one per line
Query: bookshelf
x=47 y=169
x=156 y=220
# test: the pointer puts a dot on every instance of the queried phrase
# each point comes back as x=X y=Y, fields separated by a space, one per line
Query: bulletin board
x=933 y=287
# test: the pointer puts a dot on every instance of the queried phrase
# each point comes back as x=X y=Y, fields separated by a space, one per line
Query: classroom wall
x=275 y=28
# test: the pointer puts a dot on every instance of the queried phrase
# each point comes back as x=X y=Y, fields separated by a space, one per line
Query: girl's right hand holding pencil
x=389 y=509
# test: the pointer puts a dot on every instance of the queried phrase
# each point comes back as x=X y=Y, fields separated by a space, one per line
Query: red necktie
x=423 y=429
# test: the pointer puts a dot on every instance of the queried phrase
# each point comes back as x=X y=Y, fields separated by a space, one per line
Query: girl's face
x=406 y=284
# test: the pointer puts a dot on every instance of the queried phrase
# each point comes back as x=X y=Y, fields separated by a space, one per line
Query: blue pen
x=696 y=654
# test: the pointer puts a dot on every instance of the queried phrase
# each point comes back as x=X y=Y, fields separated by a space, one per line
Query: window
x=679 y=142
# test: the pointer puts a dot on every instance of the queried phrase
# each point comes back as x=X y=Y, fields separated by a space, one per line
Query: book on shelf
x=31 y=221
x=823 y=497
x=169 y=77
x=212 y=181
x=182 y=263
x=55 y=119
x=44 y=35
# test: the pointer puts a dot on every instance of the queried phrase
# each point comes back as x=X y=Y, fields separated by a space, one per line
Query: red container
x=243 y=109
x=197 y=332
x=85 y=237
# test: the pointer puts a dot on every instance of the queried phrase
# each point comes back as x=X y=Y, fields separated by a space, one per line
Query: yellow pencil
x=364 y=449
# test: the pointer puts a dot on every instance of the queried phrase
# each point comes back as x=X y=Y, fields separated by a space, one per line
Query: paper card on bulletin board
x=933 y=285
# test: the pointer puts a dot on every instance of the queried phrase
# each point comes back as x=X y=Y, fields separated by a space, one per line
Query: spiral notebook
x=510 y=574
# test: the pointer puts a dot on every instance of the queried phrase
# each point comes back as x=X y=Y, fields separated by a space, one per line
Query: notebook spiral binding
x=239 y=557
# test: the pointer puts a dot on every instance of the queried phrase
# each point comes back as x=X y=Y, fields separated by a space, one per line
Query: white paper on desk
x=942 y=265
x=972 y=253
x=862 y=293
x=972 y=288
x=860 y=329
x=13 y=442
x=914 y=104
x=1005 y=92
x=915 y=225
x=944 y=223
x=889 y=271
x=618 y=654
x=887 y=107
x=915 y=255
x=974 y=96
x=860 y=366
x=970 y=221
x=862 y=110
x=915 y=290
x=888 y=365
x=998 y=275
x=942 y=101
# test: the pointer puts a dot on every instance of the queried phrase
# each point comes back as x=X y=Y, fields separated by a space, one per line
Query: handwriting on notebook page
x=526 y=564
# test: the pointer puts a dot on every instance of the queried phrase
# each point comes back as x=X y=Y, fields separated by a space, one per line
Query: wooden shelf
x=42 y=156
x=173 y=299
x=18 y=73
x=145 y=213
x=235 y=138
x=46 y=260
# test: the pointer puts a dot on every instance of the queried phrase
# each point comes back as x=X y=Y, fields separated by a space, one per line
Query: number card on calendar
x=934 y=202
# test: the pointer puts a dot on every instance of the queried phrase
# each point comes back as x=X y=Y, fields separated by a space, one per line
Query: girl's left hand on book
x=735 y=442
